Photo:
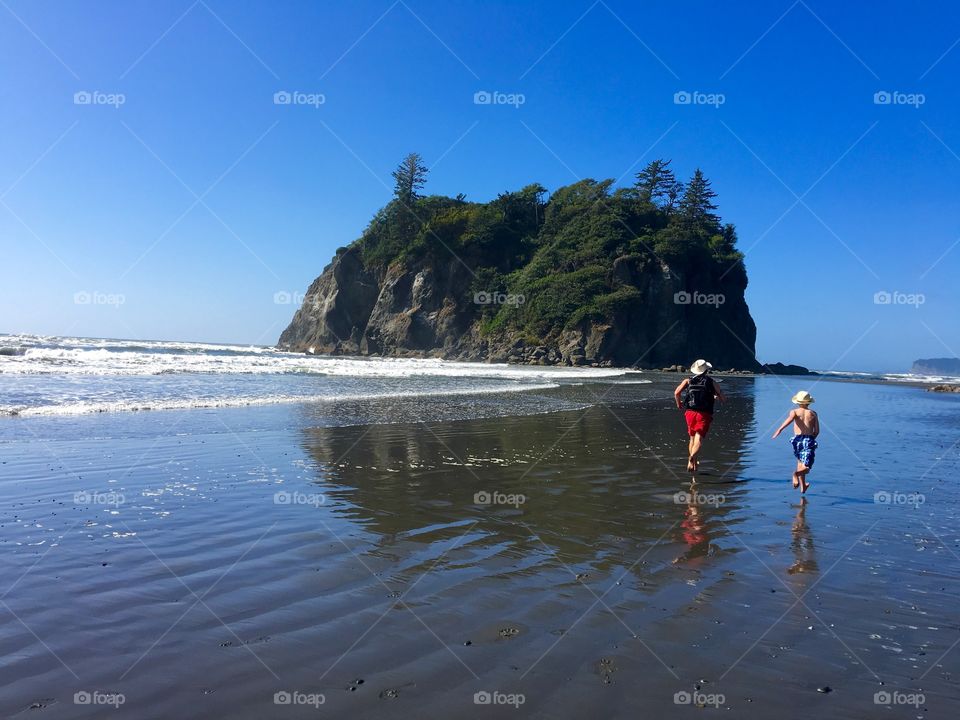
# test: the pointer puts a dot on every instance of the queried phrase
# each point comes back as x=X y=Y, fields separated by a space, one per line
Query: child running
x=806 y=427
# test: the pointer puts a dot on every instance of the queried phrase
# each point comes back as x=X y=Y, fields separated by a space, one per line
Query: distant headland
x=937 y=366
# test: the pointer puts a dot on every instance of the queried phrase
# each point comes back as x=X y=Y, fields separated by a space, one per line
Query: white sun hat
x=700 y=367
x=802 y=398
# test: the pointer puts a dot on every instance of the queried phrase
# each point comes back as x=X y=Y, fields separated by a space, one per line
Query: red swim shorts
x=698 y=422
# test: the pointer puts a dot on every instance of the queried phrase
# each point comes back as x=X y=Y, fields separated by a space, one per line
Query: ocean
x=292 y=536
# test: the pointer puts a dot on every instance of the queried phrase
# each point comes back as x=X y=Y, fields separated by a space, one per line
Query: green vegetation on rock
x=559 y=253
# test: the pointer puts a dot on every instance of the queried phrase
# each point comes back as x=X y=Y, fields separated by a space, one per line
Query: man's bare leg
x=695 y=443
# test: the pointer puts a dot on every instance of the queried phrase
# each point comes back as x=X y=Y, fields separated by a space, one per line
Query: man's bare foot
x=690 y=467
x=805 y=487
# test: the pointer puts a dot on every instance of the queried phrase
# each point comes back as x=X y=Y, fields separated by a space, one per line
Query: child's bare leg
x=689 y=454
x=796 y=475
x=802 y=474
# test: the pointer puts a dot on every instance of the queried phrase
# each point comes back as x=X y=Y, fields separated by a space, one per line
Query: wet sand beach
x=197 y=563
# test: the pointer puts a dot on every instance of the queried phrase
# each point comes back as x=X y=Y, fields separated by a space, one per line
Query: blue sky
x=183 y=212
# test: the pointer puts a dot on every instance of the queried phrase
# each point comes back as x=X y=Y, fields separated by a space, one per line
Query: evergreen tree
x=410 y=176
x=656 y=184
x=697 y=206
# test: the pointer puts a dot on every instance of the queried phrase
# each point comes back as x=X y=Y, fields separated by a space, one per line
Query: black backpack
x=700 y=394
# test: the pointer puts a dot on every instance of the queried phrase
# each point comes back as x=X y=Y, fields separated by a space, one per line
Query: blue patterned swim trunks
x=805 y=449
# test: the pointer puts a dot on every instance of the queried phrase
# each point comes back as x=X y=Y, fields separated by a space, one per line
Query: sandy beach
x=197 y=563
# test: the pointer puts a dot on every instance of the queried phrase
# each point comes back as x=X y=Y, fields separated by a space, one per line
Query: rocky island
x=641 y=276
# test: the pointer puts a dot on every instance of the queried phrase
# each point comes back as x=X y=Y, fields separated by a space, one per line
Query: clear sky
x=181 y=202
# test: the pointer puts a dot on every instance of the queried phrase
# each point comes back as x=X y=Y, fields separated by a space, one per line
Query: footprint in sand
x=606 y=668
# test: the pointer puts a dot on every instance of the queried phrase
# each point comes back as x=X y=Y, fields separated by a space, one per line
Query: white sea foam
x=134 y=357
x=91 y=407
x=891 y=377
x=76 y=376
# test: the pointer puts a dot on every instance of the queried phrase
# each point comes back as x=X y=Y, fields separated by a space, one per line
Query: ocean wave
x=94 y=359
x=138 y=405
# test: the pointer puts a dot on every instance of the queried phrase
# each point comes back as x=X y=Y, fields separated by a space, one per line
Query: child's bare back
x=805 y=422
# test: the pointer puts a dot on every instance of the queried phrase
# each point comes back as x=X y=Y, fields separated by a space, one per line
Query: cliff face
x=420 y=310
x=587 y=278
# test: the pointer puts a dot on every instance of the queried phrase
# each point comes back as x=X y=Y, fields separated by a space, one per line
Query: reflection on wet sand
x=539 y=501
x=805 y=560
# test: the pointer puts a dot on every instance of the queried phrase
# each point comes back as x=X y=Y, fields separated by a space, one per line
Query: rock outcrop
x=781 y=369
x=419 y=310
x=590 y=277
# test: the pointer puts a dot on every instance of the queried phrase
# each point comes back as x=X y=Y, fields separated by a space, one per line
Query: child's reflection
x=805 y=560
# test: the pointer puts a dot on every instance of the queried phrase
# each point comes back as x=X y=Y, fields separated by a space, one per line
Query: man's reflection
x=693 y=527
